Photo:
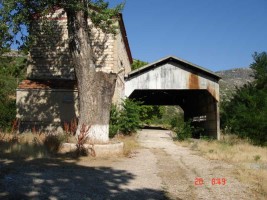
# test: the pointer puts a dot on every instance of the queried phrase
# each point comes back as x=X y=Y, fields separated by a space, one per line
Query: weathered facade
x=48 y=97
x=173 y=81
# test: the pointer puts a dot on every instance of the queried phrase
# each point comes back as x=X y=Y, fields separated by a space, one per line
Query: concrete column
x=204 y=105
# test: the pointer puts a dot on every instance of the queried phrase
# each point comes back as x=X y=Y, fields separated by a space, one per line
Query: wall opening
x=199 y=106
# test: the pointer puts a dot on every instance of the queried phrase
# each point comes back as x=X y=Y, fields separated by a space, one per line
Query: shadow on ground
x=59 y=178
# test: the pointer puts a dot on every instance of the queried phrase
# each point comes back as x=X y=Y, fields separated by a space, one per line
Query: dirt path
x=178 y=168
x=158 y=170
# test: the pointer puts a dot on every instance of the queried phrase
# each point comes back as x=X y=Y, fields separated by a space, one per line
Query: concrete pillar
x=204 y=105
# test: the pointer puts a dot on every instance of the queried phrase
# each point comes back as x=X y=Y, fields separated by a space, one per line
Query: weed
x=2 y=136
x=257 y=158
x=15 y=125
x=53 y=143
x=81 y=140
x=34 y=130
x=70 y=128
x=211 y=151
x=130 y=144
x=73 y=126
x=184 y=131
x=66 y=127
x=24 y=145
x=205 y=137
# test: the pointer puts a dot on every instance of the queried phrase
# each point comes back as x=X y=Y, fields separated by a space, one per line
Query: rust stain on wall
x=193 y=81
x=213 y=92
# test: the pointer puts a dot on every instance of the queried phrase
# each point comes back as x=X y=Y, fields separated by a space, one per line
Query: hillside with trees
x=232 y=79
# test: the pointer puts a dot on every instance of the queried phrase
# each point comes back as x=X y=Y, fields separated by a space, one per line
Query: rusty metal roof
x=176 y=60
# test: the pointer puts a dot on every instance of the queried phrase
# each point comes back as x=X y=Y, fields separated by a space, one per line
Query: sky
x=215 y=34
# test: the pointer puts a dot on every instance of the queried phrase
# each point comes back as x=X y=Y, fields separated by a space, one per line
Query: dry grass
x=22 y=145
x=39 y=145
x=250 y=161
x=130 y=144
x=27 y=145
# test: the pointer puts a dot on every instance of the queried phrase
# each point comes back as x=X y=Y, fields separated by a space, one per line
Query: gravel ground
x=158 y=170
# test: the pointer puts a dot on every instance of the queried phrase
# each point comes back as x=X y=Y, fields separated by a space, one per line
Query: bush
x=245 y=115
x=170 y=116
x=129 y=120
x=7 y=114
x=184 y=130
x=11 y=71
x=176 y=122
x=150 y=114
x=125 y=121
x=114 y=122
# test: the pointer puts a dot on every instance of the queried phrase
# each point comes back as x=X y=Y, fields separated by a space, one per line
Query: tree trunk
x=95 y=89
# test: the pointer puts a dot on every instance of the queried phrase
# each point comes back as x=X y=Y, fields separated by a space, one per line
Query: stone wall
x=46 y=108
x=49 y=58
x=122 y=67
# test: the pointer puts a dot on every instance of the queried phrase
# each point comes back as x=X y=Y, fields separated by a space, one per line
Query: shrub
x=176 y=121
x=7 y=114
x=150 y=114
x=184 y=130
x=114 y=122
x=126 y=120
x=11 y=71
x=129 y=120
x=245 y=115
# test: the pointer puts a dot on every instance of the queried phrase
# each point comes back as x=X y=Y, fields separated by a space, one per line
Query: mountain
x=231 y=79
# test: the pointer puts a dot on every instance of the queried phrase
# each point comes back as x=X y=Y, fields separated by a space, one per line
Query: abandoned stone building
x=48 y=97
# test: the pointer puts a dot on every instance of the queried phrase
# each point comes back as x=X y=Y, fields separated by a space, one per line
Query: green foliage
x=125 y=120
x=130 y=116
x=103 y=16
x=246 y=113
x=114 y=122
x=257 y=158
x=176 y=121
x=260 y=69
x=138 y=64
x=16 y=17
x=7 y=114
x=4 y=37
x=171 y=116
x=13 y=67
x=11 y=71
x=184 y=130
x=149 y=114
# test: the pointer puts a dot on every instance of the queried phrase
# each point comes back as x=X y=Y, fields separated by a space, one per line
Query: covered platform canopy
x=174 y=81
